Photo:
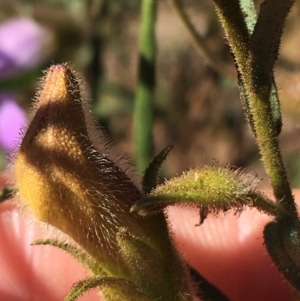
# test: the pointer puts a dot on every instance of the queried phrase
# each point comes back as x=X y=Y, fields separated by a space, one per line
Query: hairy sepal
x=148 y=269
x=78 y=254
x=114 y=289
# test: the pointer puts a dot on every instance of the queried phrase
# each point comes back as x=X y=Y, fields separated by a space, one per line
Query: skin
x=227 y=250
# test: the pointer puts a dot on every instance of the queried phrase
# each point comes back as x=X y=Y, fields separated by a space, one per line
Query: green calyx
x=211 y=188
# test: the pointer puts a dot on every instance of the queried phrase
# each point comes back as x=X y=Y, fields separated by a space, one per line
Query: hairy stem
x=268 y=30
x=256 y=74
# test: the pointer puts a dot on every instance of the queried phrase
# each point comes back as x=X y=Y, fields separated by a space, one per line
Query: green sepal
x=211 y=187
x=151 y=172
x=144 y=263
x=273 y=237
x=80 y=255
x=114 y=289
x=158 y=273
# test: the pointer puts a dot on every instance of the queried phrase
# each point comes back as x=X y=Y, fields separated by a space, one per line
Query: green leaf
x=273 y=237
x=151 y=173
x=80 y=255
x=290 y=233
x=211 y=187
x=114 y=289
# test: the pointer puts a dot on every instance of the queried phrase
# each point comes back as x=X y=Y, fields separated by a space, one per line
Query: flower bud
x=212 y=189
x=67 y=182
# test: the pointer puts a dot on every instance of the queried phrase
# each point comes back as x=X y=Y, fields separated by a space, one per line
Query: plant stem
x=255 y=64
x=143 y=110
x=269 y=148
x=264 y=47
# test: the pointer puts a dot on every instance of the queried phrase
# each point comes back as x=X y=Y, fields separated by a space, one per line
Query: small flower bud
x=212 y=189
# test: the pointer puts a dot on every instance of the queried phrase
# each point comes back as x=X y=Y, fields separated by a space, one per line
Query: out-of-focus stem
x=200 y=42
x=143 y=109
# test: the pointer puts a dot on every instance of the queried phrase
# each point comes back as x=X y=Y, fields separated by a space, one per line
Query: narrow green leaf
x=215 y=188
x=114 y=289
x=80 y=255
x=265 y=40
x=151 y=172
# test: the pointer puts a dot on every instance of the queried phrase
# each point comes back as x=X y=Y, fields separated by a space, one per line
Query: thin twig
x=200 y=42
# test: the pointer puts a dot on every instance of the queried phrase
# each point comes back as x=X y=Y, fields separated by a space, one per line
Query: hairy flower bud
x=212 y=189
x=70 y=180
x=66 y=181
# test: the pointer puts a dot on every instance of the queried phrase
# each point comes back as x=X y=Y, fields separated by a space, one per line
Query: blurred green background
x=197 y=110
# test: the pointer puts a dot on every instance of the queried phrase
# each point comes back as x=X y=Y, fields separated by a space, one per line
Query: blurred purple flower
x=12 y=119
x=23 y=45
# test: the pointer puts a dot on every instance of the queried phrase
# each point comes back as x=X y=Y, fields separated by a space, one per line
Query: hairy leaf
x=277 y=250
x=151 y=172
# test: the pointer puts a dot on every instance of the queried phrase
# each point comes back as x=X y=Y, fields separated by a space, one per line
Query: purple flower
x=23 y=45
x=12 y=119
